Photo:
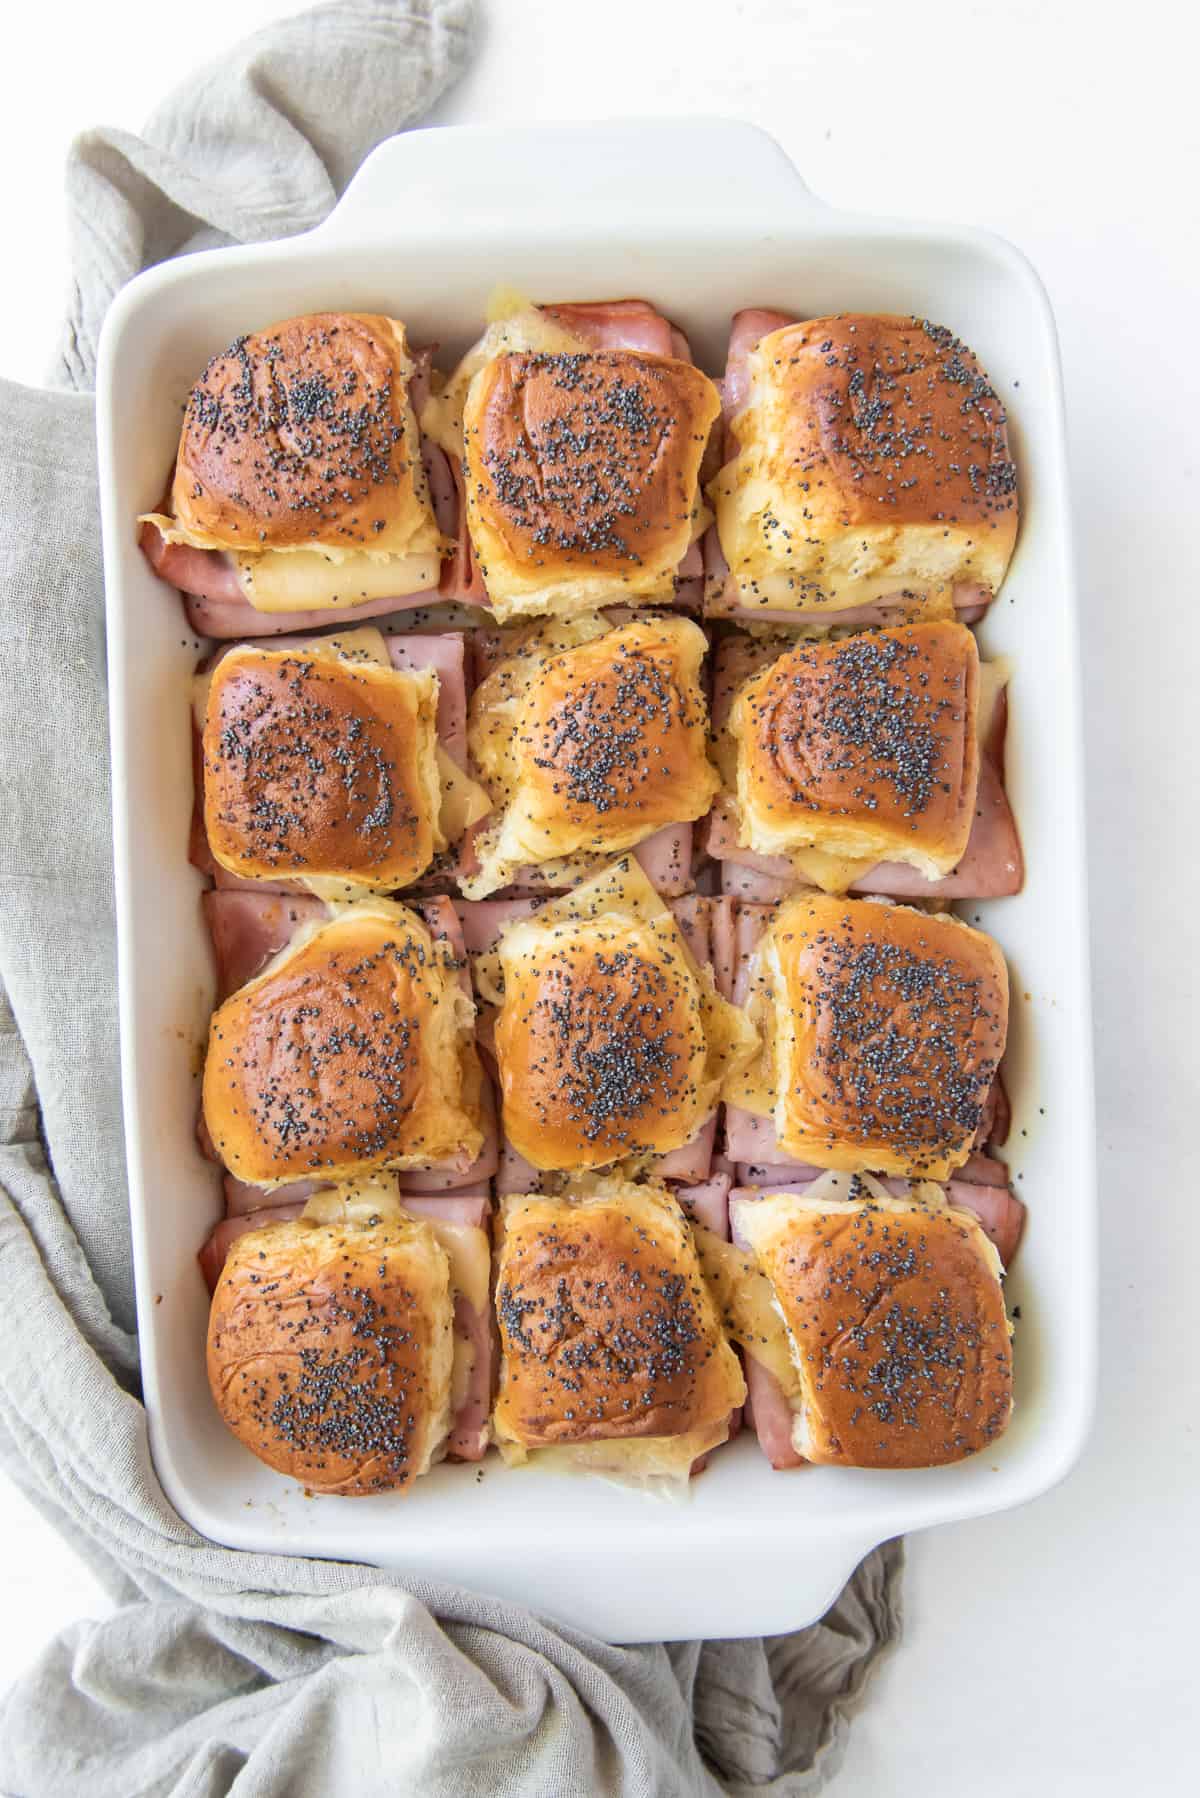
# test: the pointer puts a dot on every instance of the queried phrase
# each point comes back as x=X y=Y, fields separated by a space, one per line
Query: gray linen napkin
x=224 y=1672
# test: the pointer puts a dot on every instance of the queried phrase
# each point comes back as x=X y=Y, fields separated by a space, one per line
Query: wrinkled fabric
x=222 y=1672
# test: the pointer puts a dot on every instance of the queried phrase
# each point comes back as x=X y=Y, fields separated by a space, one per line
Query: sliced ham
x=451 y=1180
x=691 y=915
x=460 y=577
x=690 y=1163
x=221 y=1239
x=992 y=867
x=723 y=944
x=776 y=1176
x=514 y=1174
x=740 y=882
x=241 y=1198
x=616 y=325
x=708 y=1204
x=666 y=859
x=445 y=654
x=751 y=1138
x=1000 y=1212
x=747 y=327
x=443 y=492
x=984 y=1170
x=484 y=920
x=771 y=1415
x=248 y=928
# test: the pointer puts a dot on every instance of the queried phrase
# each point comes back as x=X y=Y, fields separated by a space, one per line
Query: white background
x=1050 y=1650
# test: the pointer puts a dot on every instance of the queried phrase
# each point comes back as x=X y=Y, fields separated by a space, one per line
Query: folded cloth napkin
x=221 y=1672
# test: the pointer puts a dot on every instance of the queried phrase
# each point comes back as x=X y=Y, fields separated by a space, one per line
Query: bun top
x=582 y=474
x=330 y=1351
x=590 y=739
x=896 y=1318
x=887 y=1026
x=321 y=766
x=303 y=435
x=352 y=1051
x=607 y=1327
x=865 y=747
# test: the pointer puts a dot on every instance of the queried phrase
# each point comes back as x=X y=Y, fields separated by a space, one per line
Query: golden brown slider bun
x=582 y=475
x=330 y=1351
x=896 y=1319
x=884 y=1028
x=353 y=1050
x=607 y=1328
x=873 y=458
x=865 y=748
x=316 y=765
x=611 y=1043
x=590 y=739
x=303 y=435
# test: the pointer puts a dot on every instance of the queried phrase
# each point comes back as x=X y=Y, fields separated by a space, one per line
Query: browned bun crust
x=867 y=746
x=585 y=462
x=607 y=1328
x=895 y=1025
x=894 y=421
x=316 y=765
x=612 y=736
x=300 y=434
x=600 y=1046
x=899 y=1330
x=349 y=1055
x=329 y=1352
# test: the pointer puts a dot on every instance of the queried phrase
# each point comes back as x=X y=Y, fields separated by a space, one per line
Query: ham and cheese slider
x=299 y=492
x=612 y=1044
x=334 y=1348
x=882 y=1029
x=874 y=764
x=613 y=1359
x=352 y=1051
x=873 y=1327
x=853 y=753
x=321 y=765
x=869 y=467
x=579 y=433
x=590 y=739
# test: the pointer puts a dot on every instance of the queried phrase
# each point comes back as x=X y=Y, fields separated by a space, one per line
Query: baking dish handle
x=612 y=176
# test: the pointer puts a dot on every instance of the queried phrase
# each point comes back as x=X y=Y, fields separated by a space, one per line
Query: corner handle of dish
x=613 y=175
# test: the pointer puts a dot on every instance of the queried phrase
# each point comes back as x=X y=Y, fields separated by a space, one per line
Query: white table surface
x=1049 y=1650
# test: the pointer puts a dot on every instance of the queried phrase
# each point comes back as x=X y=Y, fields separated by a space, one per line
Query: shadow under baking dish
x=700 y=217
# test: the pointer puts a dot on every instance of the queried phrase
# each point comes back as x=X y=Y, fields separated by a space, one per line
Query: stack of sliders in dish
x=319 y=479
x=505 y=908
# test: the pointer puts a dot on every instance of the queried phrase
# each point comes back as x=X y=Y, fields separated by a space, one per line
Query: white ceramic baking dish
x=700 y=217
